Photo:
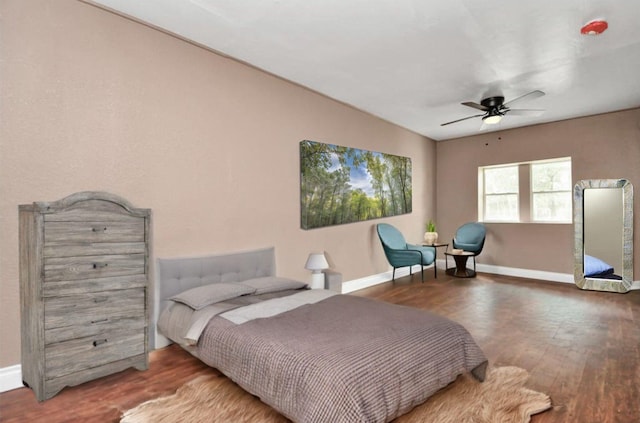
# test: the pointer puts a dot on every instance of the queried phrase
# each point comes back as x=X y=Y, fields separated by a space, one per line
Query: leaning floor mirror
x=603 y=219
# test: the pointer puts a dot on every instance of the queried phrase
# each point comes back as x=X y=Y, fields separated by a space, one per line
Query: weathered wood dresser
x=83 y=290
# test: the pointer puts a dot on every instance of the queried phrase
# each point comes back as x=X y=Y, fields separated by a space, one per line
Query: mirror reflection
x=603 y=233
x=603 y=216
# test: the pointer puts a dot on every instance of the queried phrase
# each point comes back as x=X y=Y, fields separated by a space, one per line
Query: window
x=501 y=193
x=547 y=183
x=551 y=191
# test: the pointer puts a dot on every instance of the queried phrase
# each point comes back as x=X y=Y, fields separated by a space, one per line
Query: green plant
x=431 y=226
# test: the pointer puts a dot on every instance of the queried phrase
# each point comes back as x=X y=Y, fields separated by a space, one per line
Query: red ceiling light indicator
x=596 y=27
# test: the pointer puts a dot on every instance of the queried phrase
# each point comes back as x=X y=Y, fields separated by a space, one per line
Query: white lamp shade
x=316 y=262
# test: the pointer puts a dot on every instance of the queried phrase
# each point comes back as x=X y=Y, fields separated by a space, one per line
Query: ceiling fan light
x=492 y=119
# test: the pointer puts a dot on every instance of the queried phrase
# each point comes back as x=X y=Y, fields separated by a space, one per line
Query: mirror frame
x=610 y=285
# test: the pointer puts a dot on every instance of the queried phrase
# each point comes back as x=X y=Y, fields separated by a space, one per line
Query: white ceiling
x=412 y=62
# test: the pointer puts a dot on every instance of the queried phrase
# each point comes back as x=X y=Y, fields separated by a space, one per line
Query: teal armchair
x=401 y=254
x=470 y=237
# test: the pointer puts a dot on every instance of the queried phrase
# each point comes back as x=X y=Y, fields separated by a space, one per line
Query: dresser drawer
x=87 y=267
x=79 y=354
x=125 y=230
x=85 y=286
x=93 y=249
x=96 y=328
x=53 y=386
x=93 y=308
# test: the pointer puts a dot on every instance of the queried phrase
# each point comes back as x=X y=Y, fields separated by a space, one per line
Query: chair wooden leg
x=393 y=277
x=422 y=272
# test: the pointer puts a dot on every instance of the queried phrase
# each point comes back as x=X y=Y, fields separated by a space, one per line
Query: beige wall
x=93 y=101
x=601 y=147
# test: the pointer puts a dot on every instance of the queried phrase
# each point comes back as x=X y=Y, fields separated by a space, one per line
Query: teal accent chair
x=470 y=237
x=401 y=254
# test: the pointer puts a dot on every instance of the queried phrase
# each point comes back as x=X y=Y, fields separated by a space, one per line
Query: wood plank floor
x=580 y=347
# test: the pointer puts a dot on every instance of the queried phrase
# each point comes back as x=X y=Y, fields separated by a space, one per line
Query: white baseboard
x=520 y=273
x=356 y=284
x=526 y=273
x=161 y=341
x=10 y=378
x=534 y=274
x=367 y=281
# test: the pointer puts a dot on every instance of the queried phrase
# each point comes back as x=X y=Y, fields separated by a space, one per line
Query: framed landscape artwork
x=344 y=185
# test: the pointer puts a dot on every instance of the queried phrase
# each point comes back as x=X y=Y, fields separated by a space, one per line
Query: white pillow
x=202 y=296
x=273 y=284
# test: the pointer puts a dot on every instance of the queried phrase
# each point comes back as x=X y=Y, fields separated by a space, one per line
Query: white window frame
x=525 y=185
x=482 y=211
x=568 y=191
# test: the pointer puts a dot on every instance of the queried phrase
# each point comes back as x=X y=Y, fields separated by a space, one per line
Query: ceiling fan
x=495 y=108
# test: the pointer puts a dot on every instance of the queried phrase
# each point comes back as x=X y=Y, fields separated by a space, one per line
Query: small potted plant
x=431 y=236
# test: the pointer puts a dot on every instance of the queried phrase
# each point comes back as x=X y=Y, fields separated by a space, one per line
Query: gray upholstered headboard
x=175 y=275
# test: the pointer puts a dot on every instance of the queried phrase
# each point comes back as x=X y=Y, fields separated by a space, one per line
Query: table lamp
x=316 y=263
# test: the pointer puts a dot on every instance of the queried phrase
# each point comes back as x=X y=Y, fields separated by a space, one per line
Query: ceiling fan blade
x=525 y=112
x=460 y=120
x=476 y=106
x=528 y=96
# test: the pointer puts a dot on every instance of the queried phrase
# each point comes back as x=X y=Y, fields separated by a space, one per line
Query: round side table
x=460 y=271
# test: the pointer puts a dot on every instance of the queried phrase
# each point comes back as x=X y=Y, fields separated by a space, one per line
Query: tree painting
x=344 y=185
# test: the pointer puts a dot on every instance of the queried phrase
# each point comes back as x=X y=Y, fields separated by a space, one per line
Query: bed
x=313 y=355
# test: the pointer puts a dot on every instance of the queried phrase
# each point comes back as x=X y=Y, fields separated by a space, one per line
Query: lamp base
x=317 y=280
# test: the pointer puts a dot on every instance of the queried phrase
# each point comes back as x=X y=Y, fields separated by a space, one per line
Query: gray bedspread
x=343 y=359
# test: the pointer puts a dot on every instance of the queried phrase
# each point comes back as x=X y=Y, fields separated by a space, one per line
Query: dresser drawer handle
x=93 y=322
x=99 y=229
x=99 y=342
x=100 y=265
x=100 y=299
